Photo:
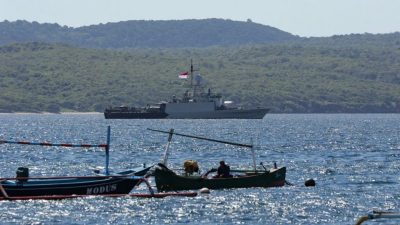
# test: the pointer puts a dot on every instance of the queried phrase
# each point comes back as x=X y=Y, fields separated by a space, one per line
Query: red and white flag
x=184 y=75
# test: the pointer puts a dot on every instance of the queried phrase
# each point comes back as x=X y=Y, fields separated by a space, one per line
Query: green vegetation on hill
x=145 y=34
x=36 y=77
x=178 y=34
x=391 y=40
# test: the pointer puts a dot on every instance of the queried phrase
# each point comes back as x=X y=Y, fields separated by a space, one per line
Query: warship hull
x=134 y=115
x=217 y=114
x=221 y=114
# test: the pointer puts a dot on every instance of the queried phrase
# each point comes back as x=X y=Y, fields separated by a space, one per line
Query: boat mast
x=108 y=150
x=166 y=152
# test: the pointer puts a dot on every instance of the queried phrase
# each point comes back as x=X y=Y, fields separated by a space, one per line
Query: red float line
x=51 y=144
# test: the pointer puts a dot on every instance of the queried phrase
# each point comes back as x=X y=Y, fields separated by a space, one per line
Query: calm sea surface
x=354 y=159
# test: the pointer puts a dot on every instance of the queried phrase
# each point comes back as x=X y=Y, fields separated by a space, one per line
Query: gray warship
x=196 y=103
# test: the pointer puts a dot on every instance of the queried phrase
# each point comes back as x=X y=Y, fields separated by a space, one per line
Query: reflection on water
x=353 y=158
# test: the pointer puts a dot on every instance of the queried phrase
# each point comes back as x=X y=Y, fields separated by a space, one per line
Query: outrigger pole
x=203 y=138
x=378 y=215
x=171 y=132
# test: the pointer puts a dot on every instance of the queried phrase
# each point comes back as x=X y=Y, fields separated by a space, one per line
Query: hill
x=391 y=40
x=37 y=77
x=146 y=34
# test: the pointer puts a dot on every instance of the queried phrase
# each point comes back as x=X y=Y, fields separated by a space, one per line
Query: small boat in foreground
x=86 y=185
x=56 y=188
x=168 y=180
x=24 y=187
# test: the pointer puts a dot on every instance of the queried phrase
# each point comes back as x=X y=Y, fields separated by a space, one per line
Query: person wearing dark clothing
x=223 y=171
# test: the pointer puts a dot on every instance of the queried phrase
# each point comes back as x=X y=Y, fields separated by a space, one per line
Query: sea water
x=354 y=159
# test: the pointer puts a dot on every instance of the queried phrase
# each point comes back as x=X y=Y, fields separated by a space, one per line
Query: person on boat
x=223 y=171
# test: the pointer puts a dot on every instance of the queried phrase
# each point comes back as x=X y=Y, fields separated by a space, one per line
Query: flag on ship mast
x=184 y=75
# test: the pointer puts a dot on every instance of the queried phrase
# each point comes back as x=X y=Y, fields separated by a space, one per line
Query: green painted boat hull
x=167 y=180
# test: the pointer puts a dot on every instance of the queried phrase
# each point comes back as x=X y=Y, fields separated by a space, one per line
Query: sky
x=306 y=18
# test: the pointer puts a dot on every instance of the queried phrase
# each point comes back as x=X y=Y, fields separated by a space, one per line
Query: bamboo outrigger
x=378 y=215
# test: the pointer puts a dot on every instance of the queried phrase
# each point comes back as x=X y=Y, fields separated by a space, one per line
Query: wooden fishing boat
x=86 y=185
x=23 y=185
x=168 y=180
x=56 y=188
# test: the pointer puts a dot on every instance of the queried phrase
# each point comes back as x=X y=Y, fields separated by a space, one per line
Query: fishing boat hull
x=71 y=186
x=167 y=180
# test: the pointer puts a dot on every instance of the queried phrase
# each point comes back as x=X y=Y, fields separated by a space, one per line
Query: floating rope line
x=52 y=144
x=105 y=146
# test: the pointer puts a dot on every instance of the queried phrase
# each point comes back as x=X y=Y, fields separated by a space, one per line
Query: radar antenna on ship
x=192 y=70
x=195 y=80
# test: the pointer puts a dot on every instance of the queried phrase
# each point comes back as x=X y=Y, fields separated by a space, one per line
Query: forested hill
x=146 y=34
x=52 y=68
x=390 y=40
x=36 y=77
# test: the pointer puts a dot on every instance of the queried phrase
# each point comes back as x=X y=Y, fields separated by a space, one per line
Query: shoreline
x=47 y=113
x=100 y=113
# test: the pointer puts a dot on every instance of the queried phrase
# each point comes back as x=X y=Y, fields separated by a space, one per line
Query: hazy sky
x=299 y=17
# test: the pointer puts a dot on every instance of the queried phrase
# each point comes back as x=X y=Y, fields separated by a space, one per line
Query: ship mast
x=192 y=86
x=191 y=73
